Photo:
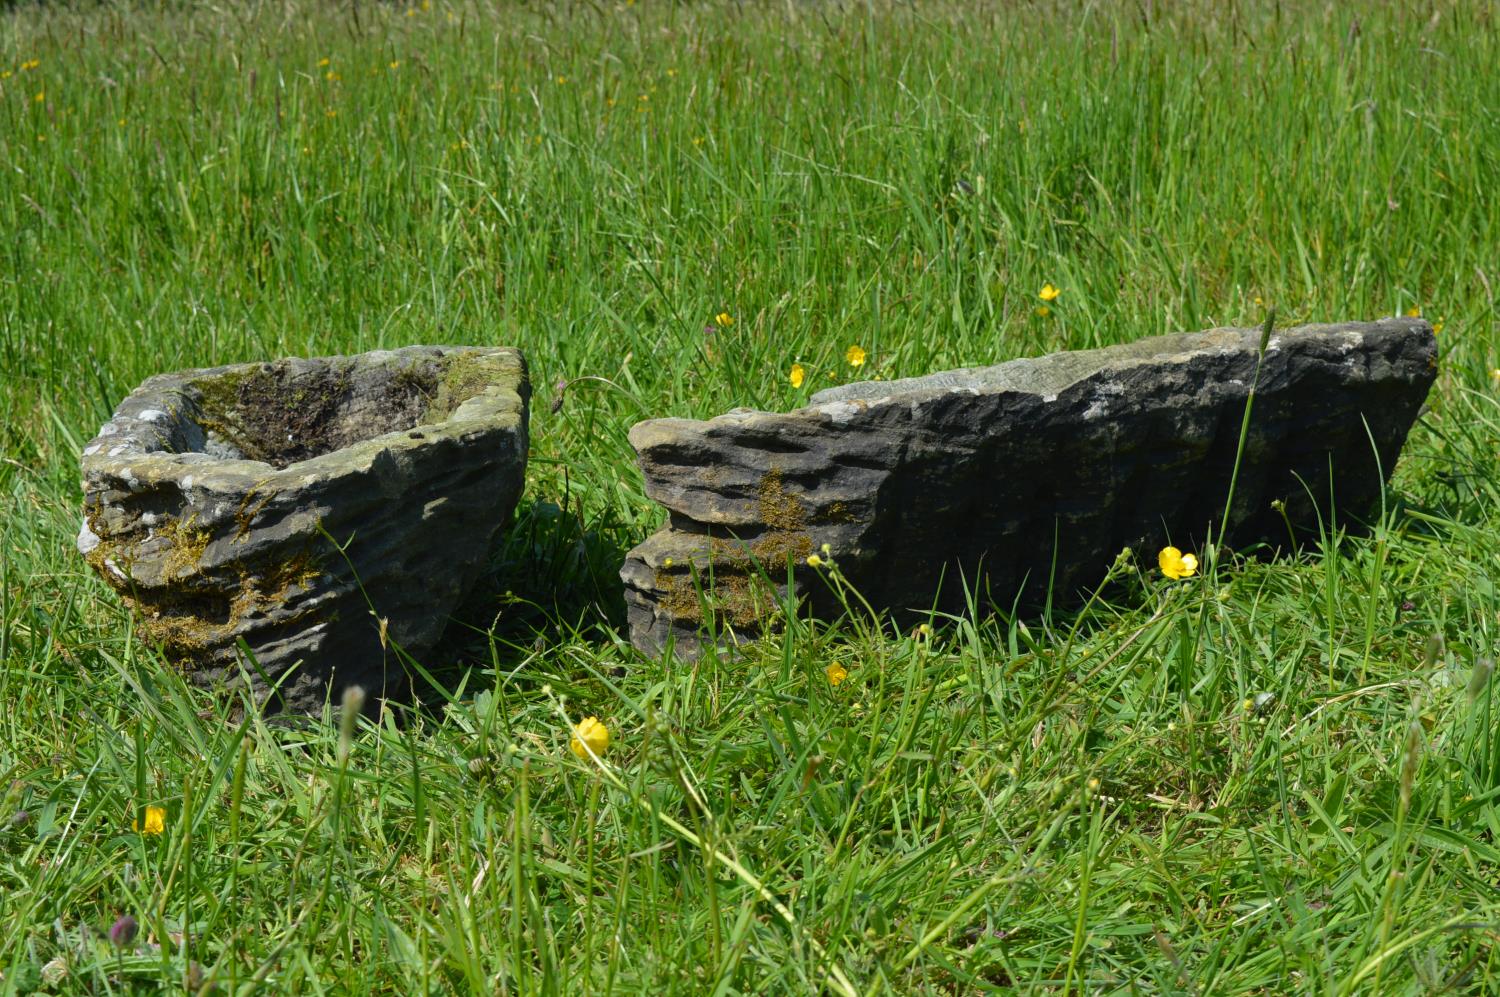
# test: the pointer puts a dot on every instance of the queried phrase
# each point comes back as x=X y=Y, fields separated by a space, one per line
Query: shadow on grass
x=554 y=579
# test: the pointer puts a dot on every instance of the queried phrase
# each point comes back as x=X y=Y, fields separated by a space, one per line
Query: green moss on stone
x=462 y=376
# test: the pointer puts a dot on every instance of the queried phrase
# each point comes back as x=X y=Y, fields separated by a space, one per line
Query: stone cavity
x=208 y=495
x=1017 y=479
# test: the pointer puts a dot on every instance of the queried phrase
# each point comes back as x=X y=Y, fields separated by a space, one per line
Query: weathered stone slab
x=1012 y=476
x=208 y=494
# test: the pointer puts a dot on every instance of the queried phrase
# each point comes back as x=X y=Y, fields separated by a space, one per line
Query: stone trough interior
x=294 y=410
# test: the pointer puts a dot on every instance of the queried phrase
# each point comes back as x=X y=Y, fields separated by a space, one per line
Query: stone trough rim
x=116 y=449
x=835 y=403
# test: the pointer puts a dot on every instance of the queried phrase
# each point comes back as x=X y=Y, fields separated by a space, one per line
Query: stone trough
x=208 y=495
x=1017 y=479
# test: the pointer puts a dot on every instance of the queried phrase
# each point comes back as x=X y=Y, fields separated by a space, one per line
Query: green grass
x=1084 y=802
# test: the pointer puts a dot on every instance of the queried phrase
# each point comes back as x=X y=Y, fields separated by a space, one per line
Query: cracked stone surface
x=1013 y=475
x=208 y=494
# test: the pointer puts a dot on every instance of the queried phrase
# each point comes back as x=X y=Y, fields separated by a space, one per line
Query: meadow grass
x=1274 y=776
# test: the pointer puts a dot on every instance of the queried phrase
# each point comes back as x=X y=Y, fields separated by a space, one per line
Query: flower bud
x=123 y=931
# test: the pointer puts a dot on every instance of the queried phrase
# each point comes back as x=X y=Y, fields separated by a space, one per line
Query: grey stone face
x=1021 y=478
x=208 y=495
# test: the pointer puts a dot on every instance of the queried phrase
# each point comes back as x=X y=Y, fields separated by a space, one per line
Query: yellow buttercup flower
x=724 y=320
x=323 y=61
x=814 y=561
x=589 y=736
x=855 y=355
x=1048 y=293
x=1043 y=311
x=156 y=821
x=798 y=374
x=1175 y=564
x=1437 y=327
x=836 y=673
x=1414 y=312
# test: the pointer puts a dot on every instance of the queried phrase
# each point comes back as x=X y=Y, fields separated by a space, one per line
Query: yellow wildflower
x=836 y=673
x=797 y=375
x=814 y=561
x=724 y=320
x=331 y=76
x=1048 y=293
x=323 y=62
x=590 y=736
x=395 y=63
x=1043 y=311
x=1414 y=312
x=156 y=821
x=561 y=80
x=1437 y=327
x=41 y=95
x=1175 y=564
x=855 y=356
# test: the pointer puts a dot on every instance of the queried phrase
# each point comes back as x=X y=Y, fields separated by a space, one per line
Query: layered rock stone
x=323 y=512
x=1021 y=480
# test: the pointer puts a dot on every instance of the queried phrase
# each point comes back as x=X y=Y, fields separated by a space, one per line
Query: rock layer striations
x=213 y=500
x=1020 y=480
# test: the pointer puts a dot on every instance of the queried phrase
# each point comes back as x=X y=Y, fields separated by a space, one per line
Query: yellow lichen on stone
x=740 y=585
x=183 y=622
x=186 y=547
x=779 y=510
